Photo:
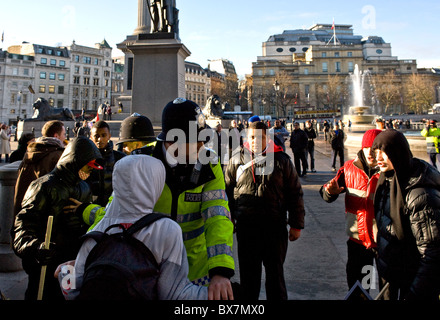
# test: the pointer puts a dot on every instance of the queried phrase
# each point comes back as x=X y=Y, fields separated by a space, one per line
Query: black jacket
x=411 y=257
x=337 y=139
x=298 y=140
x=265 y=198
x=47 y=196
x=100 y=181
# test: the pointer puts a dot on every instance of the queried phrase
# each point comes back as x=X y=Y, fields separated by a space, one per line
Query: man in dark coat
x=100 y=181
x=337 y=137
x=298 y=143
x=262 y=186
x=40 y=158
x=47 y=196
x=407 y=209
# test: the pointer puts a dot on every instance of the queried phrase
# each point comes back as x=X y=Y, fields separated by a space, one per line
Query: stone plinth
x=158 y=73
x=8 y=176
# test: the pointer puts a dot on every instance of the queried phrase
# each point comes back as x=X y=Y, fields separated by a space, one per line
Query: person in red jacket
x=358 y=179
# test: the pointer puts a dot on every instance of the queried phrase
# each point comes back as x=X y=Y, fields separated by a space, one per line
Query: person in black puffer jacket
x=47 y=196
x=260 y=195
x=100 y=181
x=407 y=209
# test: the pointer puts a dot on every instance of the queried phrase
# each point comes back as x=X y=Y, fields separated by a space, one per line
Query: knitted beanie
x=368 y=138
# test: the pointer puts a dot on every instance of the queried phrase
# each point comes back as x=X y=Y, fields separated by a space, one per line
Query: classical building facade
x=296 y=66
x=197 y=83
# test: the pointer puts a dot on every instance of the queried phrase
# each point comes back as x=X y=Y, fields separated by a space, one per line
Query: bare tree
x=388 y=89
x=333 y=92
x=419 y=93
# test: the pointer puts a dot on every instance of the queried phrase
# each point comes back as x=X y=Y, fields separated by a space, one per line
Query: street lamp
x=276 y=87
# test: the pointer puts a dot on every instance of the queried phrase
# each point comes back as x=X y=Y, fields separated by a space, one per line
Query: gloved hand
x=44 y=256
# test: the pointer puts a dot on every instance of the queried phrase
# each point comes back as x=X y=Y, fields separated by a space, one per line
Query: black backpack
x=120 y=267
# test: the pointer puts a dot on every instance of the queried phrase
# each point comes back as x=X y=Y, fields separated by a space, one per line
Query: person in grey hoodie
x=134 y=196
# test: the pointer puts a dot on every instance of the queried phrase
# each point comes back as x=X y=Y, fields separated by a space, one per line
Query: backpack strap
x=145 y=221
x=98 y=235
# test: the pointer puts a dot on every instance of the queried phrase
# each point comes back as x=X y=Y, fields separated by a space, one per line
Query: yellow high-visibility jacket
x=432 y=139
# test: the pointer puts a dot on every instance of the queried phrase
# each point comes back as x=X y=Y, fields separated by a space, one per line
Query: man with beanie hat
x=407 y=210
x=358 y=179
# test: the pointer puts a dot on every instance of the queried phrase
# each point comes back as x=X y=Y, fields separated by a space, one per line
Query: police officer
x=136 y=132
x=194 y=196
x=432 y=135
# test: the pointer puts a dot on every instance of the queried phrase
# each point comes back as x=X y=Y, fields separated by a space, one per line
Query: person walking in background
x=5 y=143
x=358 y=180
x=326 y=126
x=432 y=135
x=298 y=144
x=407 y=210
x=259 y=199
x=280 y=134
x=311 y=134
x=337 y=137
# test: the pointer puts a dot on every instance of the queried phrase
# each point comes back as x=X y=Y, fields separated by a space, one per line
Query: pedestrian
x=326 y=126
x=357 y=178
x=337 y=137
x=109 y=112
x=121 y=107
x=139 y=181
x=40 y=158
x=280 y=134
x=380 y=123
x=196 y=187
x=23 y=142
x=46 y=197
x=262 y=186
x=298 y=143
x=100 y=181
x=432 y=135
x=84 y=131
x=407 y=210
x=311 y=134
x=5 y=143
x=222 y=145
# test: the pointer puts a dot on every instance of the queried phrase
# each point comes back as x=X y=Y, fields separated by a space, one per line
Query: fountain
x=360 y=116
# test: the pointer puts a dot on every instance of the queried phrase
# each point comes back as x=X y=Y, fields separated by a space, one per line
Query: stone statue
x=164 y=16
x=213 y=107
x=43 y=111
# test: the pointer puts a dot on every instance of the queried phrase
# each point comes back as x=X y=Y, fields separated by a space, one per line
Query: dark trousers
x=358 y=257
x=336 y=152
x=434 y=157
x=311 y=152
x=259 y=246
x=299 y=159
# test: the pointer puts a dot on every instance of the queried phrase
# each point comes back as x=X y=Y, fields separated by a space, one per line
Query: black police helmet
x=181 y=114
x=136 y=128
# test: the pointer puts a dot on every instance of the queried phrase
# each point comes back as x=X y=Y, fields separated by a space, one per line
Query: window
x=324 y=67
x=60 y=103
x=75 y=92
x=58 y=53
x=292 y=49
x=336 y=54
x=60 y=89
x=49 y=51
x=53 y=62
x=86 y=80
x=15 y=71
x=305 y=49
x=349 y=54
x=61 y=76
x=76 y=69
x=106 y=73
x=42 y=89
x=76 y=58
x=338 y=66
x=51 y=102
x=42 y=75
x=306 y=71
x=379 y=51
x=13 y=97
x=76 y=80
x=96 y=71
x=280 y=50
x=323 y=54
x=350 y=67
x=96 y=61
x=87 y=60
x=87 y=71
x=26 y=71
x=51 y=89
x=95 y=82
x=52 y=76
x=62 y=63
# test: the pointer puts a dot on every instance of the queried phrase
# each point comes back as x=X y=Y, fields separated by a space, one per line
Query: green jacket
x=432 y=136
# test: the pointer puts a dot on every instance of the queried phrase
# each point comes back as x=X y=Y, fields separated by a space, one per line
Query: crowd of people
x=248 y=186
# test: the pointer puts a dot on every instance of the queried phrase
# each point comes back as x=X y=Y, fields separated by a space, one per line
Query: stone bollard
x=8 y=176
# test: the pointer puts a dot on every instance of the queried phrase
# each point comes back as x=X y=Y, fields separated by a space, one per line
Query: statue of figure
x=164 y=16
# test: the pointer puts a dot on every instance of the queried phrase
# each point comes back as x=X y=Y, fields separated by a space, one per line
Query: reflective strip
x=214 y=195
x=182 y=218
x=202 y=281
x=219 y=249
x=215 y=211
x=193 y=234
x=356 y=192
x=92 y=215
